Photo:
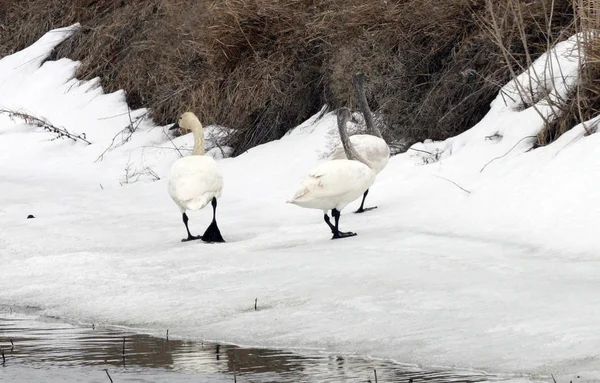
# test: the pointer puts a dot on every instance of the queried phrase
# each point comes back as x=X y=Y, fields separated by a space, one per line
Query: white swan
x=372 y=147
x=332 y=185
x=195 y=180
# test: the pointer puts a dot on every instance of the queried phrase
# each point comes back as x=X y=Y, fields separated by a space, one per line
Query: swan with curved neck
x=372 y=147
x=332 y=185
x=195 y=180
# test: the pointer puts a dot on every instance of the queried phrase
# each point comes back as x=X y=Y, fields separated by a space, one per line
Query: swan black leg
x=336 y=231
x=328 y=222
x=190 y=237
x=362 y=209
x=212 y=233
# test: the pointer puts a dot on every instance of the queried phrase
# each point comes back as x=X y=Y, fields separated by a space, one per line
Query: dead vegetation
x=41 y=122
x=582 y=103
x=262 y=66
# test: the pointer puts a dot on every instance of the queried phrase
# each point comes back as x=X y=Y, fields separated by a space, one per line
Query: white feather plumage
x=333 y=185
x=194 y=181
x=373 y=149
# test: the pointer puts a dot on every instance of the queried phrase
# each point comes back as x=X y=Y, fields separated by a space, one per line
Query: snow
x=501 y=278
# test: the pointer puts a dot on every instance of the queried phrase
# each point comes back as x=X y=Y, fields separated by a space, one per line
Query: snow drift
x=497 y=274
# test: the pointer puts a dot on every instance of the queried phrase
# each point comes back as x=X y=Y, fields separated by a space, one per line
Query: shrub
x=263 y=66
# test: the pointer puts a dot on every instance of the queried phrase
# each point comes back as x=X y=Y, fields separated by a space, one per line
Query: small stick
x=123 y=350
x=12 y=345
x=2 y=353
x=375 y=371
x=167 y=335
x=455 y=184
x=93 y=326
x=107 y=374
x=255 y=304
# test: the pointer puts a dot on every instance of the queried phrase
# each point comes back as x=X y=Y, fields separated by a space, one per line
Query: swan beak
x=176 y=126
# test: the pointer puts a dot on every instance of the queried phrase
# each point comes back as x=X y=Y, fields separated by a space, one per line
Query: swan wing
x=333 y=180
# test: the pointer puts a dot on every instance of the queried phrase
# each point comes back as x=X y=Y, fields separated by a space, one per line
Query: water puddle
x=37 y=348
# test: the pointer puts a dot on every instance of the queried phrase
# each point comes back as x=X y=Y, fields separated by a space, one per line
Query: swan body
x=372 y=148
x=195 y=180
x=332 y=185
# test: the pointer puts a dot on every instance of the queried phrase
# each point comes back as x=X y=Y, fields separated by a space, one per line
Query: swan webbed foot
x=342 y=234
x=191 y=238
x=213 y=234
x=362 y=210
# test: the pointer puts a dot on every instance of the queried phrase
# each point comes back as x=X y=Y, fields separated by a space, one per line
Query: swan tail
x=198 y=202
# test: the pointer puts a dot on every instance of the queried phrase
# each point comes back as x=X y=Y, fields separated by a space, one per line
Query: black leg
x=328 y=222
x=362 y=209
x=190 y=237
x=212 y=233
x=337 y=233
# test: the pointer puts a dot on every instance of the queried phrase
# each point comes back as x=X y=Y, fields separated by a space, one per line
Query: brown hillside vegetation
x=264 y=66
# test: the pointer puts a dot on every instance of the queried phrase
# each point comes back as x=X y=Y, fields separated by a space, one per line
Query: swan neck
x=351 y=153
x=372 y=128
x=198 y=142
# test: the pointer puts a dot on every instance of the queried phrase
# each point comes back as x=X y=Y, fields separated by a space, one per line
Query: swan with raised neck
x=332 y=185
x=195 y=180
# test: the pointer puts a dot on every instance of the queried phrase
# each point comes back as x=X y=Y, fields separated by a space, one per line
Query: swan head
x=188 y=122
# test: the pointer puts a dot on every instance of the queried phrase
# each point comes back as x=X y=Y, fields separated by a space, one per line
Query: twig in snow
x=255 y=304
x=457 y=185
x=167 y=335
x=46 y=125
x=101 y=187
x=505 y=154
x=129 y=128
x=3 y=358
x=554 y=380
x=172 y=143
x=422 y=151
x=12 y=346
x=107 y=374
x=165 y=147
x=375 y=372
x=123 y=351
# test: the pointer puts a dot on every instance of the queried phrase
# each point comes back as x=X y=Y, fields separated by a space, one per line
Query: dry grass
x=583 y=102
x=263 y=66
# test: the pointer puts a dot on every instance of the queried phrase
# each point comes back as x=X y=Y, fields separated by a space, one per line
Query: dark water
x=32 y=342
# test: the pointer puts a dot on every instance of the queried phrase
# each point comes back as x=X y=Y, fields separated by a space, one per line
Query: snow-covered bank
x=503 y=278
